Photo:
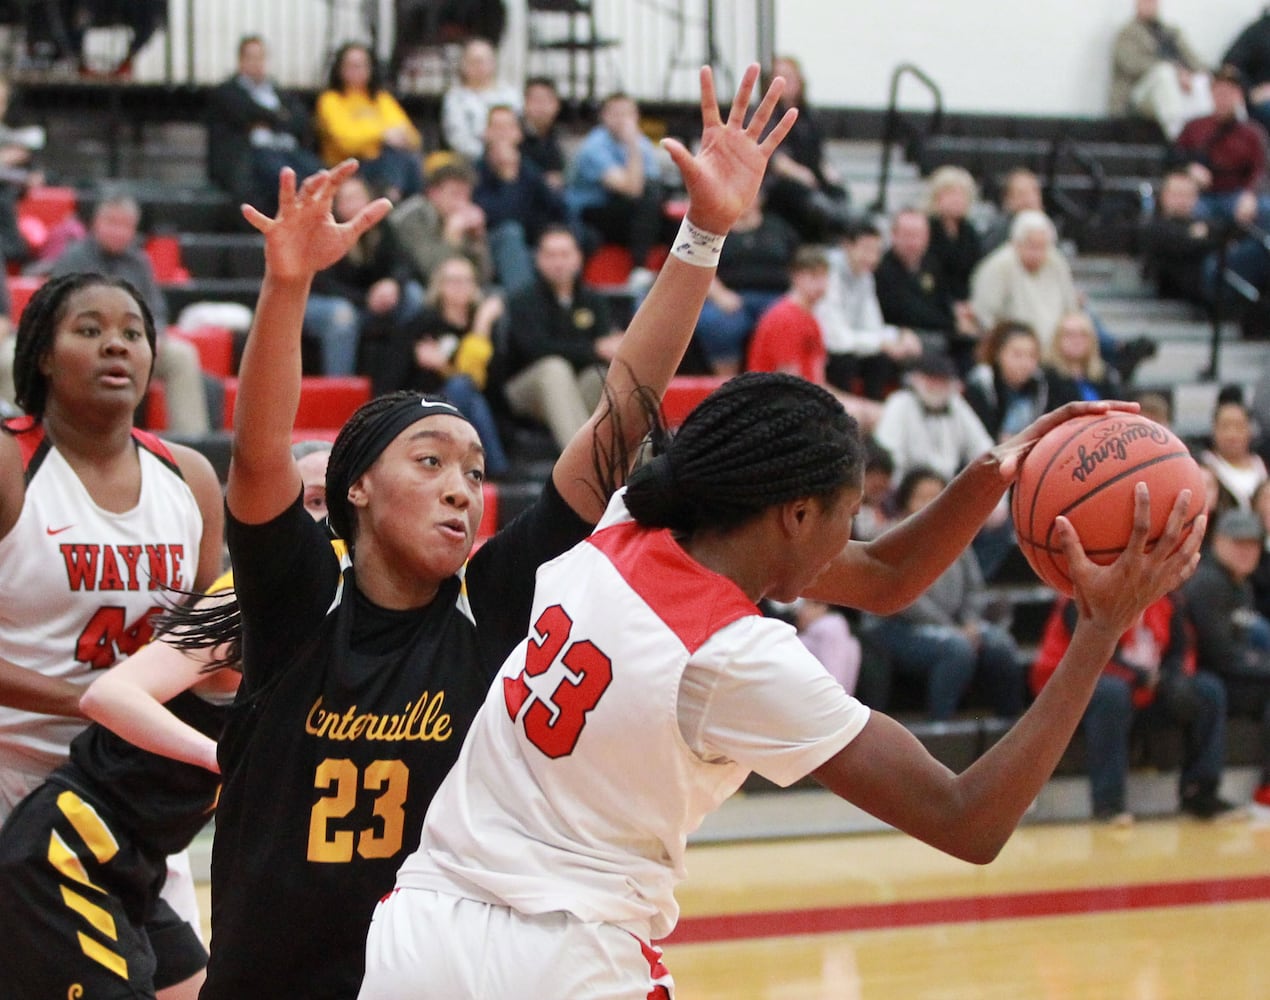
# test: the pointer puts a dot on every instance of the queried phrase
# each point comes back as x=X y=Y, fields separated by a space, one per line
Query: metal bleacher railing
x=900 y=124
x=655 y=43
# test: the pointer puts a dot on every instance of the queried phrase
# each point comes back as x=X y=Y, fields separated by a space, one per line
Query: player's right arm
x=888 y=573
x=302 y=239
x=19 y=687
x=888 y=773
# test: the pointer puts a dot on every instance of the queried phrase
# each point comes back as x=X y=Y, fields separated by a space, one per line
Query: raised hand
x=1113 y=596
x=723 y=178
x=304 y=237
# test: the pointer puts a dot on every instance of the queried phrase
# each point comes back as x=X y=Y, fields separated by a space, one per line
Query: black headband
x=380 y=432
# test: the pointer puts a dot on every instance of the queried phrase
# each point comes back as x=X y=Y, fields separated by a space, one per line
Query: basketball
x=1086 y=469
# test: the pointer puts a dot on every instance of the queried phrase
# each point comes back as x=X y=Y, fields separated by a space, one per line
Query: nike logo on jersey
x=57 y=531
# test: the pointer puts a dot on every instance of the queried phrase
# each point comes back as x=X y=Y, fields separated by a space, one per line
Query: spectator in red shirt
x=1226 y=154
x=788 y=339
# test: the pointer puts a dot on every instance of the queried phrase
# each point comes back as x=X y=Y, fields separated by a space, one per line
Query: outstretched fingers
x=709 y=99
x=369 y=217
x=741 y=99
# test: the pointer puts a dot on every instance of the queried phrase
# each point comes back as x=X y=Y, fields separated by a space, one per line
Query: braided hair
x=38 y=327
x=760 y=439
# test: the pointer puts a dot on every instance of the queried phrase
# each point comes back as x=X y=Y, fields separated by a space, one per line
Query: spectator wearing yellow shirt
x=357 y=116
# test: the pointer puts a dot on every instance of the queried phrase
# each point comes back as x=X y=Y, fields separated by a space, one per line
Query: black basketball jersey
x=346 y=723
x=162 y=803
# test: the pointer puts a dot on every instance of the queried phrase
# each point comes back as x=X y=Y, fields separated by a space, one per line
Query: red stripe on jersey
x=659 y=974
x=157 y=448
x=31 y=441
x=692 y=601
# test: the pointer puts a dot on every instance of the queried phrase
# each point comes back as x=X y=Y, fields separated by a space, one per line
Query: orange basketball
x=1086 y=469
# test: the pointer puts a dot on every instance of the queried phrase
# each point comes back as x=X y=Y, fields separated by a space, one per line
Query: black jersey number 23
x=386 y=781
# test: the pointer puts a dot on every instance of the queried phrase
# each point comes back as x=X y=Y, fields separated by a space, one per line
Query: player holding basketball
x=650 y=685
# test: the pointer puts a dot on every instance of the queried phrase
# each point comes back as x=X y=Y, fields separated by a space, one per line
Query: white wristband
x=696 y=246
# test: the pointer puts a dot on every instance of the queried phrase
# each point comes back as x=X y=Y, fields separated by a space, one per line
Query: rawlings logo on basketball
x=1113 y=445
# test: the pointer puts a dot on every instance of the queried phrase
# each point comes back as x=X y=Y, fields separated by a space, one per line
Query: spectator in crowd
x=1150 y=680
x=954 y=241
x=1156 y=73
x=1074 y=365
x=19 y=173
x=1260 y=578
x=1228 y=631
x=928 y=422
x=615 y=185
x=360 y=305
x=944 y=637
x=1226 y=154
x=560 y=341
x=788 y=339
x=753 y=273
x=68 y=23
x=1238 y=468
x=443 y=221
x=517 y=201
x=876 y=512
x=1007 y=389
x=1027 y=280
x=541 y=142
x=449 y=348
x=111 y=248
x=254 y=129
x=1180 y=247
x=914 y=293
x=1250 y=54
x=863 y=348
x=357 y=116
x=801 y=184
x=827 y=636
x=466 y=104
x=1020 y=192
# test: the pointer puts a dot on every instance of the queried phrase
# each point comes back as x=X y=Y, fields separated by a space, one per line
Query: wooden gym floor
x=1170 y=909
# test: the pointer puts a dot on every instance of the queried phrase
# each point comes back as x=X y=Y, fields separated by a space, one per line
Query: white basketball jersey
x=576 y=789
x=78 y=584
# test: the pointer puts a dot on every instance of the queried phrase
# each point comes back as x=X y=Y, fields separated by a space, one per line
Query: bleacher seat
x=684 y=393
x=49 y=204
x=215 y=346
x=21 y=288
x=164 y=251
x=326 y=401
x=608 y=267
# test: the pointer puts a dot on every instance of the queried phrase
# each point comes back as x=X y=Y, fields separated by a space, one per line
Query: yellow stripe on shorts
x=95 y=834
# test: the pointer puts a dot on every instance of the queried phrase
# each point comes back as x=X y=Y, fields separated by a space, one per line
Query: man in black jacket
x=254 y=130
x=1230 y=637
x=560 y=340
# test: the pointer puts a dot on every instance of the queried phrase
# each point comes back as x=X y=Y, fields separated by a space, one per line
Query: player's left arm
x=722 y=179
x=888 y=573
x=129 y=699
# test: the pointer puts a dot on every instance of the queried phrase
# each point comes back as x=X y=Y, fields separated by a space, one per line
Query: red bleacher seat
x=215 y=346
x=48 y=204
x=156 y=407
x=164 y=251
x=21 y=288
x=685 y=392
x=326 y=401
x=608 y=267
